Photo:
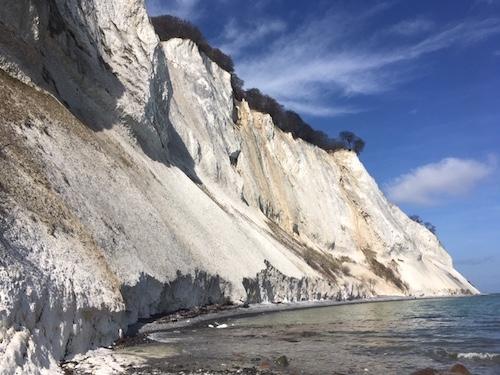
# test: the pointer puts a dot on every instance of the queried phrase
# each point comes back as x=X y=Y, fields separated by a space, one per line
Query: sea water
x=396 y=337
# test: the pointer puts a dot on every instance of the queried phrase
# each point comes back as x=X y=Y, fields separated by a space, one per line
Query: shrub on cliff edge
x=168 y=27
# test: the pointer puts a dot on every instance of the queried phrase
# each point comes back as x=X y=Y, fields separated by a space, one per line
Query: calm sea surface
x=394 y=337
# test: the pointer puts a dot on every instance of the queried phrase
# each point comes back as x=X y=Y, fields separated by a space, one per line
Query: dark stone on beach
x=282 y=361
x=425 y=371
x=265 y=364
x=291 y=340
x=459 y=369
x=307 y=334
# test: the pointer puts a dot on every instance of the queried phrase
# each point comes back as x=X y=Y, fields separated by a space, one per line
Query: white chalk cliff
x=132 y=184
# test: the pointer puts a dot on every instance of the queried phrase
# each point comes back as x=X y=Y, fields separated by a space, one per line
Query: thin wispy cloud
x=186 y=9
x=413 y=27
x=318 y=109
x=330 y=55
x=235 y=39
x=435 y=183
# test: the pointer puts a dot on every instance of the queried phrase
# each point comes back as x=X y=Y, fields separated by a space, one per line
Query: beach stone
x=460 y=369
x=282 y=361
x=265 y=364
x=425 y=371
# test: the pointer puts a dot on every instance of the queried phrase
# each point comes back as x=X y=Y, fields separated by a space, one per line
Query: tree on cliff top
x=168 y=27
x=352 y=141
x=431 y=227
x=291 y=122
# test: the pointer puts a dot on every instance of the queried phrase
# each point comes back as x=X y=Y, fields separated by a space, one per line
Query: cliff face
x=132 y=184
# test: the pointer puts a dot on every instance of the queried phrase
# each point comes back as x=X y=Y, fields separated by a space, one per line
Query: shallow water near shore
x=395 y=337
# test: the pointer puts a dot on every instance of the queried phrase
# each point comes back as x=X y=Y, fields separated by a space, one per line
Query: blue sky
x=418 y=80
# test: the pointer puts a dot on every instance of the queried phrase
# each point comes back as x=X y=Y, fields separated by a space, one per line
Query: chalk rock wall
x=319 y=201
x=132 y=184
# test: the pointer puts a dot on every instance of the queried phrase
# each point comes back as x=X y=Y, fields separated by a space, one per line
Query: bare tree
x=431 y=227
x=352 y=142
x=358 y=145
x=416 y=219
x=348 y=138
x=237 y=85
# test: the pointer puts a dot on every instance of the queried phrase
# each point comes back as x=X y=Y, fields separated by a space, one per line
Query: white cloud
x=433 y=183
x=186 y=9
x=413 y=27
x=318 y=109
x=328 y=56
x=235 y=38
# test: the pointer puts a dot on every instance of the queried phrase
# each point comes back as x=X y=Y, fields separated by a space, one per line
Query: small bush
x=431 y=227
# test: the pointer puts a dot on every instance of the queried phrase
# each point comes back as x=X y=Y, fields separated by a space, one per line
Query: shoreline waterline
x=239 y=311
x=373 y=332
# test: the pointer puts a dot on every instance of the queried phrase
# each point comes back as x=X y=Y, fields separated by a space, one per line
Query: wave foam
x=479 y=356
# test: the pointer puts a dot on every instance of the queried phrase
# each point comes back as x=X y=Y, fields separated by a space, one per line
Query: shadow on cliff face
x=54 y=319
x=270 y=285
x=178 y=153
x=149 y=296
x=67 y=57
